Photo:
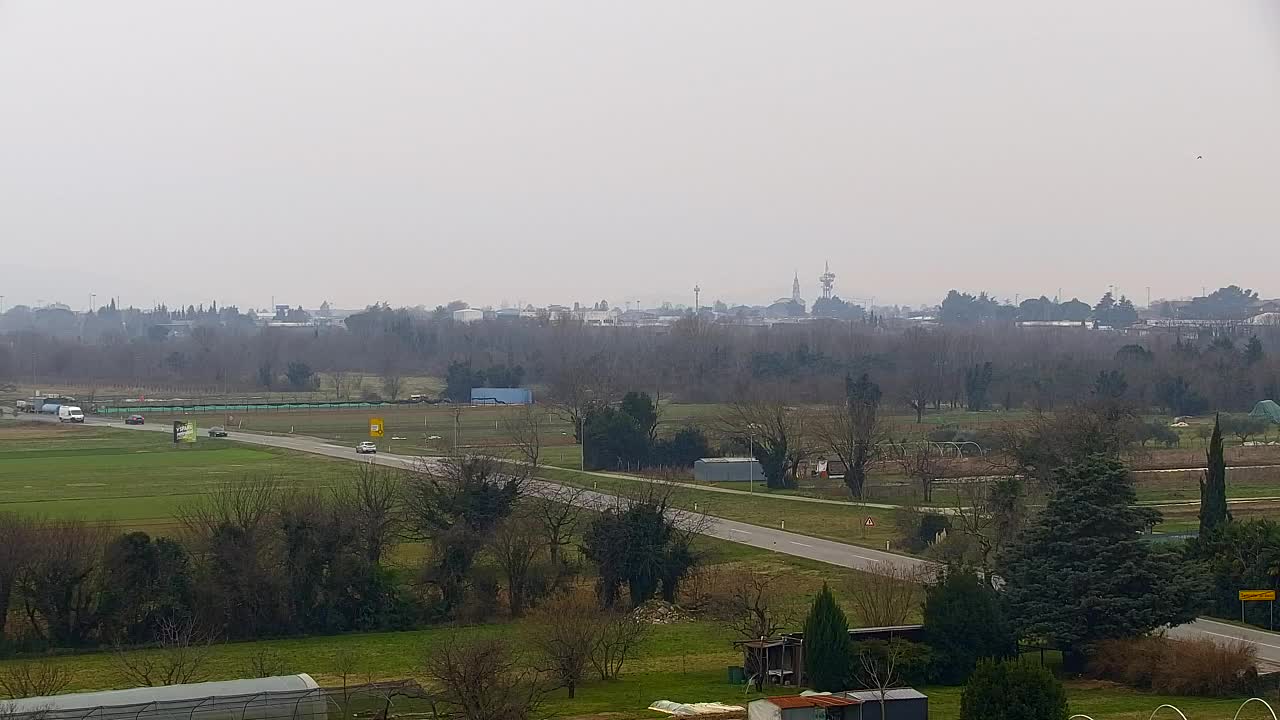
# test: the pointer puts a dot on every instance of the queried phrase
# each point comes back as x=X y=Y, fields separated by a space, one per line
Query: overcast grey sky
x=415 y=151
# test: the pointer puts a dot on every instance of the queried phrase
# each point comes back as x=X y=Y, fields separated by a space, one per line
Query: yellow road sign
x=376 y=427
x=1257 y=595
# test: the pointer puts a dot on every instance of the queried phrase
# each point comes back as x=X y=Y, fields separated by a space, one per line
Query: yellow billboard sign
x=184 y=432
x=1257 y=595
x=376 y=426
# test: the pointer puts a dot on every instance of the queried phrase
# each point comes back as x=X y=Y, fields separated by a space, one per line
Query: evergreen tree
x=1213 y=486
x=826 y=644
x=1083 y=572
x=1013 y=691
x=964 y=623
x=1253 y=353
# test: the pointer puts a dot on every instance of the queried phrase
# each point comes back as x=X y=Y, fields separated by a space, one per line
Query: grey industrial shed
x=899 y=704
x=727 y=469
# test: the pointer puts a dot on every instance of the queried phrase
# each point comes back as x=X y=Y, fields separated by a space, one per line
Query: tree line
x=966 y=361
x=257 y=559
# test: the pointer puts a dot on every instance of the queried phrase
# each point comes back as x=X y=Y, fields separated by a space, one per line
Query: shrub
x=1200 y=667
x=1012 y=690
x=920 y=529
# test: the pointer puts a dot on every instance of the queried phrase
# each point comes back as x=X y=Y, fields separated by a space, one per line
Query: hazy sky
x=419 y=151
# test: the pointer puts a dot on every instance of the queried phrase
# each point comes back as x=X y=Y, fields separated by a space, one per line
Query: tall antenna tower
x=828 y=280
x=697 y=292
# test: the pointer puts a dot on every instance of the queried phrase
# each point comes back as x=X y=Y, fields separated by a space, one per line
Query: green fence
x=225 y=408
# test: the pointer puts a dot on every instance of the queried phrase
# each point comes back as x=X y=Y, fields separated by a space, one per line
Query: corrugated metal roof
x=894 y=694
x=727 y=460
x=788 y=702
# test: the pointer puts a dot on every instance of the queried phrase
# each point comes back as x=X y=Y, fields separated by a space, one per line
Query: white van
x=70 y=413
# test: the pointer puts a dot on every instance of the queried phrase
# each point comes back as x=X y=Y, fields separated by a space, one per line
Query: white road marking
x=1240 y=639
x=793 y=542
x=740 y=532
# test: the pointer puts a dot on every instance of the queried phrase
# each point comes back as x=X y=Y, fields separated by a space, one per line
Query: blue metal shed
x=501 y=396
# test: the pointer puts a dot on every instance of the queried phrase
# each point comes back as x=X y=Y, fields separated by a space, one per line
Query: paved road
x=788 y=543
x=802 y=546
x=1266 y=643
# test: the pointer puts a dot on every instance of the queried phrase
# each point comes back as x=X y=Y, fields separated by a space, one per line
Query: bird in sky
x=1199 y=157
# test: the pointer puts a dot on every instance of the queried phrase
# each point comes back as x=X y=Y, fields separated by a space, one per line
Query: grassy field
x=133 y=478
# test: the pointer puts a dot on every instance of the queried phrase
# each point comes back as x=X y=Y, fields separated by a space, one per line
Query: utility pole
x=697 y=292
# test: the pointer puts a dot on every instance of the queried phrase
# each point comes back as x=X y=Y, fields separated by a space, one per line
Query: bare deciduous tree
x=558 y=511
x=566 y=632
x=16 y=537
x=922 y=464
x=886 y=598
x=620 y=633
x=515 y=545
x=753 y=605
x=178 y=657
x=34 y=678
x=481 y=680
x=852 y=432
x=579 y=383
x=59 y=584
x=346 y=663
x=776 y=435
x=264 y=662
x=880 y=668
x=524 y=427
x=392 y=386
x=991 y=513
x=371 y=499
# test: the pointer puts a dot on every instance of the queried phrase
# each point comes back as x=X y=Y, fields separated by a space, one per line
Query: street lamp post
x=582 y=443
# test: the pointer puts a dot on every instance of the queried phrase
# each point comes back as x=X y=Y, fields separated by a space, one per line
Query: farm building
x=501 y=396
x=288 y=697
x=468 y=315
x=727 y=469
x=899 y=704
x=780 y=660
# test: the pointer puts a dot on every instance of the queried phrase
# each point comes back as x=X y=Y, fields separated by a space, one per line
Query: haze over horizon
x=559 y=151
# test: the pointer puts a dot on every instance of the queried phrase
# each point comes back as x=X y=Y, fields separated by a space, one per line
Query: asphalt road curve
x=851 y=556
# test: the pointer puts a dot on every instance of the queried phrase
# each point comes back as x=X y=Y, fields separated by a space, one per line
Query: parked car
x=366 y=447
x=135 y=420
x=217 y=431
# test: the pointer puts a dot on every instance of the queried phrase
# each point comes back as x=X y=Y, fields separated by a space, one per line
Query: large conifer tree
x=826 y=644
x=1083 y=572
x=1213 y=486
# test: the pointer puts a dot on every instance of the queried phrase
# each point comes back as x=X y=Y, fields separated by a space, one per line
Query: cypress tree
x=826 y=644
x=1213 y=486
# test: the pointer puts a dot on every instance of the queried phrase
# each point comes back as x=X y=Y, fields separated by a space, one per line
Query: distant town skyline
x=808 y=292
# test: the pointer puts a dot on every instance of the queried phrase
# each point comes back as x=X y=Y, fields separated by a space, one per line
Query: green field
x=136 y=478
